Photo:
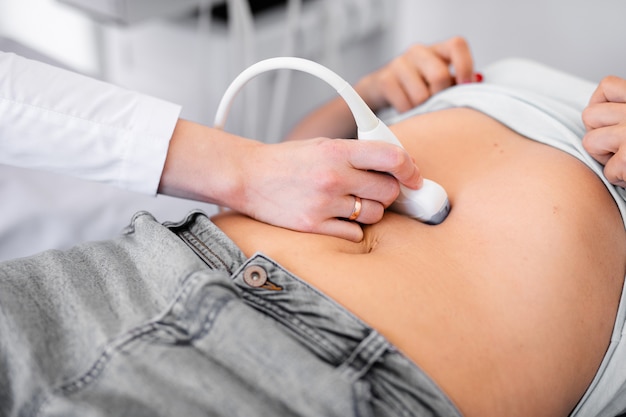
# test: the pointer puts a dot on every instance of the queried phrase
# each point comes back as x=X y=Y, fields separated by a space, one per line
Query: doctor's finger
x=342 y=229
x=456 y=52
x=384 y=157
x=361 y=210
x=375 y=187
x=371 y=212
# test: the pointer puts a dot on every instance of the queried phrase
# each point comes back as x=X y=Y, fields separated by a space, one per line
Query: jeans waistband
x=329 y=330
x=208 y=241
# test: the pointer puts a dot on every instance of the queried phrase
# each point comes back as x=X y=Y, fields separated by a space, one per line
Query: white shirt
x=545 y=105
x=55 y=120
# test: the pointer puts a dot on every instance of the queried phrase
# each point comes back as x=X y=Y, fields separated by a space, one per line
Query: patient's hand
x=403 y=83
x=605 y=119
x=420 y=72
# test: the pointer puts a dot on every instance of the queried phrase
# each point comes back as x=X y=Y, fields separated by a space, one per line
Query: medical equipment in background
x=127 y=12
x=130 y=12
x=429 y=204
x=360 y=13
x=190 y=55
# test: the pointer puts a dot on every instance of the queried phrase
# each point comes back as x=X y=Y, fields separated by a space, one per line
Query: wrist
x=206 y=164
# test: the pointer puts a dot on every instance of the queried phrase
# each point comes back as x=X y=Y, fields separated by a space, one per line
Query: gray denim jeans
x=173 y=320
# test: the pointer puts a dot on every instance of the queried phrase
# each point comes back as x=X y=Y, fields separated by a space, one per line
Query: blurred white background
x=584 y=37
x=173 y=50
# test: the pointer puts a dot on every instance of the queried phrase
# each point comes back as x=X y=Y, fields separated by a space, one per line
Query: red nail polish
x=478 y=77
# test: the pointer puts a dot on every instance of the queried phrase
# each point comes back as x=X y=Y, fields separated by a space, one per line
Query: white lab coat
x=56 y=120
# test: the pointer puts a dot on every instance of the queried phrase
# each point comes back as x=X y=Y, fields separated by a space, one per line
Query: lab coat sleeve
x=56 y=120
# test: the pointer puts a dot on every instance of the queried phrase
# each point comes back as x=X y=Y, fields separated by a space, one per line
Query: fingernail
x=420 y=182
x=478 y=77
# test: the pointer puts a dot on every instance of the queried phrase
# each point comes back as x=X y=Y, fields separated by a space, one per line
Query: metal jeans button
x=255 y=276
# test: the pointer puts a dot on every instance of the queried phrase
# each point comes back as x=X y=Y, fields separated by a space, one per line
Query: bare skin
x=509 y=304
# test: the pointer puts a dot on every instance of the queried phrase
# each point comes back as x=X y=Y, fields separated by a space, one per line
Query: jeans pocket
x=212 y=354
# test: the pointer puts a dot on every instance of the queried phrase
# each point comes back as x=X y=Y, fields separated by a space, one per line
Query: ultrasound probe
x=429 y=204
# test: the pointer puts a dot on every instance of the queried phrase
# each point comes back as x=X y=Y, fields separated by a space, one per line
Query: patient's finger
x=604 y=114
x=610 y=89
x=615 y=168
x=412 y=81
x=436 y=71
x=603 y=143
x=456 y=52
x=395 y=93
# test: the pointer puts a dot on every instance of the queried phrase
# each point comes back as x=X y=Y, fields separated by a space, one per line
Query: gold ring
x=357 y=208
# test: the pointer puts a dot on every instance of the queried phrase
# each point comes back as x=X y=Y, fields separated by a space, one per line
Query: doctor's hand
x=420 y=72
x=309 y=185
x=326 y=186
x=605 y=120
